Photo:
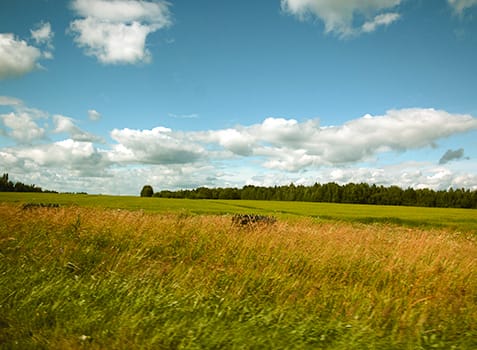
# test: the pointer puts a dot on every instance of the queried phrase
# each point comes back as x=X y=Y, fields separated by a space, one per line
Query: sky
x=105 y=96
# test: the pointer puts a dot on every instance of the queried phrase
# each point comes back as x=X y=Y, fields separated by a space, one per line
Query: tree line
x=352 y=193
x=7 y=185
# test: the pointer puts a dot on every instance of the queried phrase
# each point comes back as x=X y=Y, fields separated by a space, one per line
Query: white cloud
x=81 y=157
x=184 y=116
x=43 y=34
x=460 y=6
x=22 y=127
x=283 y=131
x=94 y=115
x=298 y=145
x=10 y=101
x=124 y=10
x=237 y=141
x=338 y=16
x=21 y=124
x=8 y=160
x=384 y=19
x=288 y=145
x=115 y=31
x=67 y=125
x=17 y=57
x=112 y=42
x=157 y=146
x=275 y=151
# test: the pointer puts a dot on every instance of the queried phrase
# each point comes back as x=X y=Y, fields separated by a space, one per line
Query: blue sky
x=105 y=96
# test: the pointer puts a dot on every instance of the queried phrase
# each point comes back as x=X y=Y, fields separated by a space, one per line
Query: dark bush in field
x=248 y=219
x=147 y=191
x=39 y=205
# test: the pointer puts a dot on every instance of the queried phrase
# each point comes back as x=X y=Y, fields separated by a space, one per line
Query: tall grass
x=113 y=279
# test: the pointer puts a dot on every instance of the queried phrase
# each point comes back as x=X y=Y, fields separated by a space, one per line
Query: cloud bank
x=275 y=151
x=115 y=31
x=286 y=144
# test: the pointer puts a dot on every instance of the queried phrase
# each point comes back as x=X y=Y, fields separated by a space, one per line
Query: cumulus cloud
x=69 y=154
x=94 y=115
x=398 y=130
x=237 y=141
x=67 y=125
x=43 y=34
x=22 y=127
x=275 y=151
x=460 y=6
x=157 y=146
x=339 y=16
x=451 y=155
x=34 y=152
x=286 y=144
x=115 y=31
x=18 y=58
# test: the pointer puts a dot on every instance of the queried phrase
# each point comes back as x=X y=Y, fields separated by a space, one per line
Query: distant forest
x=334 y=193
x=362 y=193
x=8 y=186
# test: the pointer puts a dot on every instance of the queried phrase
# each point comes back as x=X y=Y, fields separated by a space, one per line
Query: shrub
x=147 y=191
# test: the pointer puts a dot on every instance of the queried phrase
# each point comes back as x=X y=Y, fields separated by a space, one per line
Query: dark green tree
x=147 y=191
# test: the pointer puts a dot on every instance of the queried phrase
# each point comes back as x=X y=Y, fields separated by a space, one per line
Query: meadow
x=456 y=219
x=104 y=272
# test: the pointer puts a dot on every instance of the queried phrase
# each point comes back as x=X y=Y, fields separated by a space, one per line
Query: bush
x=147 y=191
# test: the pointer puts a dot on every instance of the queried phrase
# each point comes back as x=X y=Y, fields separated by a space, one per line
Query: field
x=101 y=272
x=464 y=220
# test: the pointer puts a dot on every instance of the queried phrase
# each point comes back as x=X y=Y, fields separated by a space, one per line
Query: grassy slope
x=457 y=219
x=76 y=277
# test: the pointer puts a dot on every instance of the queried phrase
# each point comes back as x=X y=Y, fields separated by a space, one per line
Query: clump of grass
x=76 y=277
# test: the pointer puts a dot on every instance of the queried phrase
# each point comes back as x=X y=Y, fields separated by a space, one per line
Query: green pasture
x=455 y=219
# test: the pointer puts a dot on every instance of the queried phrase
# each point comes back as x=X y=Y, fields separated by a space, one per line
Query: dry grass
x=137 y=280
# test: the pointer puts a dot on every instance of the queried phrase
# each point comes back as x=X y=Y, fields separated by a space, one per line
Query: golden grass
x=410 y=287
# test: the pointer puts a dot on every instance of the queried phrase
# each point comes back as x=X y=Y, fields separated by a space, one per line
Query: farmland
x=164 y=273
x=456 y=219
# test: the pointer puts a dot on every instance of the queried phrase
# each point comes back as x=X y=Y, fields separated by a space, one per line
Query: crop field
x=457 y=219
x=104 y=272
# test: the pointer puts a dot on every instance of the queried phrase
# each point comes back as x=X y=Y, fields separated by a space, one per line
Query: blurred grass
x=75 y=277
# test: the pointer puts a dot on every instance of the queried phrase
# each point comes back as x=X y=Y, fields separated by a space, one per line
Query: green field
x=456 y=219
x=178 y=274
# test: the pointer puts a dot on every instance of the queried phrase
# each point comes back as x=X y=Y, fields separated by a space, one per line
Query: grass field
x=176 y=274
x=456 y=219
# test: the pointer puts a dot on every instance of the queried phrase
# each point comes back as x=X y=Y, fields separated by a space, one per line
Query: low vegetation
x=76 y=277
